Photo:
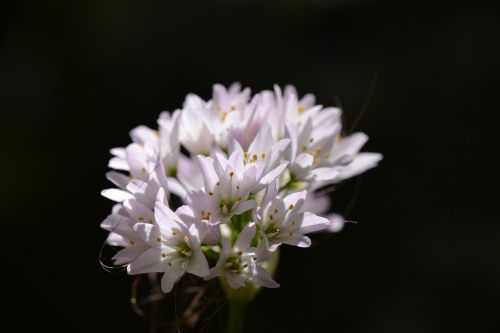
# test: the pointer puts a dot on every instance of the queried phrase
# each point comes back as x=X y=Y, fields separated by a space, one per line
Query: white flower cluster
x=246 y=177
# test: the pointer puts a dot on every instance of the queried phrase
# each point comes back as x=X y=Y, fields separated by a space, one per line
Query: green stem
x=236 y=317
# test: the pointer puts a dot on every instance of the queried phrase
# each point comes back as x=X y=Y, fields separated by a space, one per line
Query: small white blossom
x=174 y=248
x=239 y=264
x=281 y=220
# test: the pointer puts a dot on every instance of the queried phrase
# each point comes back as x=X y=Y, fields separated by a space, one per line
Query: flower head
x=222 y=183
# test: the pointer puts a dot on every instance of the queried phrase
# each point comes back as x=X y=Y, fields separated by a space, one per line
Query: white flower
x=262 y=150
x=122 y=234
x=144 y=191
x=281 y=220
x=174 y=248
x=228 y=184
x=197 y=133
x=239 y=264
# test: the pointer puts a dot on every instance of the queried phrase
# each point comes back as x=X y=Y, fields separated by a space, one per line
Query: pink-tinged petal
x=176 y=187
x=308 y=101
x=361 y=163
x=139 y=212
x=299 y=169
x=118 y=163
x=148 y=233
x=112 y=221
x=197 y=232
x=148 y=262
x=137 y=159
x=118 y=152
x=128 y=254
x=291 y=133
x=262 y=253
x=236 y=161
x=294 y=201
x=161 y=196
x=171 y=276
x=143 y=134
x=166 y=218
x=336 y=223
x=198 y=264
x=262 y=140
x=273 y=174
x=316 y=204
x=296 y=240
x=115 y=239
x=136 y=186
x=244 y=206
x=270 y=193
x=262 y=278
x=349 y=145
x=212 y=236
x=116 y=195
x=118 y=178
x=311 y=222
x=189 y=174
x=210 y=178
x=277 y=152
x=325 y=174
x=245 y=237
x=186 y=214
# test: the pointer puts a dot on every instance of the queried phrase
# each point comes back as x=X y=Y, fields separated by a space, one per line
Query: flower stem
x=236 y=316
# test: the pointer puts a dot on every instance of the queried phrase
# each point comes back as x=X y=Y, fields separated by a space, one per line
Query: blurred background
x=76 y=76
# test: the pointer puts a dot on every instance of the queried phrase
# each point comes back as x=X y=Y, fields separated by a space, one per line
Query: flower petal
x=245 y=237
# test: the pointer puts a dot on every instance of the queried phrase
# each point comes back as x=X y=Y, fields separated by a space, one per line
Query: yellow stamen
x=301 y=109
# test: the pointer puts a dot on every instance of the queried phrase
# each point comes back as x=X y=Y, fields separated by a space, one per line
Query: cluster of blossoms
x=247 y=178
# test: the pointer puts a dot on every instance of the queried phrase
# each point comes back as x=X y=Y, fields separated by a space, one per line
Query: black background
x=76 y=76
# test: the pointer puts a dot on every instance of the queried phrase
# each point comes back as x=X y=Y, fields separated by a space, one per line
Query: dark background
x=76 y=76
